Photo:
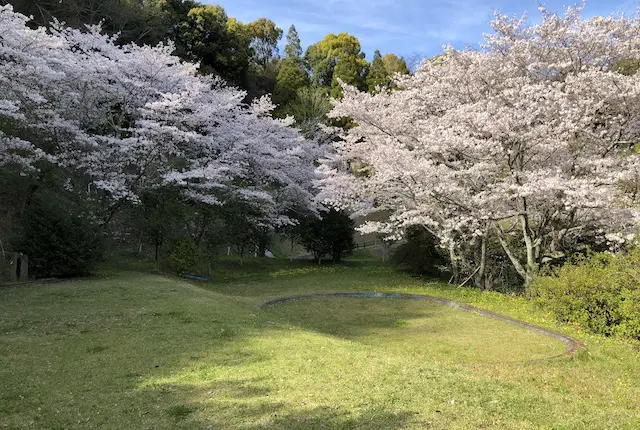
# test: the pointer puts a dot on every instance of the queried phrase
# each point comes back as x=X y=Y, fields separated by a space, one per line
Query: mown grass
x=136 y=350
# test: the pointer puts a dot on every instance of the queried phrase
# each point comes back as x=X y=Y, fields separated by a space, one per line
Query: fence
x=365 y=245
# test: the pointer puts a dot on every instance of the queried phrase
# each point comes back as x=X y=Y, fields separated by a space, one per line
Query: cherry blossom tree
x=22 y=51
x=123 y=119
x=530 y=142
x=228 y=151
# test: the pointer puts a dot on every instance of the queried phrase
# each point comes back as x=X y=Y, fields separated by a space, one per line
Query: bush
x=184 y=256
x=59 y=236
x=600 y=292
x=419 y=254
x=331 y=235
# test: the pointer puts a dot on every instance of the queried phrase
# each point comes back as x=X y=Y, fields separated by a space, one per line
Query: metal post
x=14 y=267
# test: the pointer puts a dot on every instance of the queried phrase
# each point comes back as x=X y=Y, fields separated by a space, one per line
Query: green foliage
x=383 y=69
x=157 y=216
x=184 y=255
x=14 y=189
x=337 y=57
x=309 y=107
x=242 y=54
x=331 y=235
x=137 y=21
x=265 y=35
x=600 y=292
x=243 y=226
x=378 y=75
x=394 y=64
x=221 y=45
x=293 y=49
x=419 y=254
x=292 y=76
x=627 y=67
x=264 y=63
x=59 y=237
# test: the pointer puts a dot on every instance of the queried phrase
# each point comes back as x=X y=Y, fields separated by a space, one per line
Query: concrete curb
x=572 y=344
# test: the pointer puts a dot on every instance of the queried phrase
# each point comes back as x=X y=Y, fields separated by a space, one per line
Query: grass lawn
x=138 y=350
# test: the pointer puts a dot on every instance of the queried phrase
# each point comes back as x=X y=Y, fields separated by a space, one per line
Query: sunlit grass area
x=135 y=350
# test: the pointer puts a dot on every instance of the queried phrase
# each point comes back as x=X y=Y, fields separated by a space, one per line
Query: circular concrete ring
x=572 y=345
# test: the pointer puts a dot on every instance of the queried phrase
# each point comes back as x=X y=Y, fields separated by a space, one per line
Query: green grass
x=422 y=330
x=136 y=350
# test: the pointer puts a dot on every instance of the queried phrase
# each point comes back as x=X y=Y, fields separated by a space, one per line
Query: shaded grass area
x=135 y=350
x=426 y=330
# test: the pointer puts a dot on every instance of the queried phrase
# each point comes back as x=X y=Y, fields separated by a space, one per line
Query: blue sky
x=403 y=27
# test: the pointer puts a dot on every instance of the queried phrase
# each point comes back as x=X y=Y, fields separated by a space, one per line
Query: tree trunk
x=204 y=222
x=479 y=278
x=455 y=270
x=529 y=243
x=156 y=250
x=514 y=260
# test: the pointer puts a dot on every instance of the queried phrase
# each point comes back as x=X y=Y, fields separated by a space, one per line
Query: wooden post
x=24 y=267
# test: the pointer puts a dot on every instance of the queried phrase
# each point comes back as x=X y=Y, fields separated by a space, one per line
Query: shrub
x=331 y=235
x=184 y=255
x=59 y=236
x=419 y=253
x=600 y=292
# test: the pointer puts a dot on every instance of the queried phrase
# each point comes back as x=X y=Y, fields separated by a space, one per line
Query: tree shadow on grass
x=249 y=404
x=352 y=318
x=439 y=332
x=325 y=418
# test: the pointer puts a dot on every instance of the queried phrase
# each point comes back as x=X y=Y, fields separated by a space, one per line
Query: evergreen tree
x=378 y=76
x=292 y=75
x=59 y=236
x=293 y=49
x=383 y=70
